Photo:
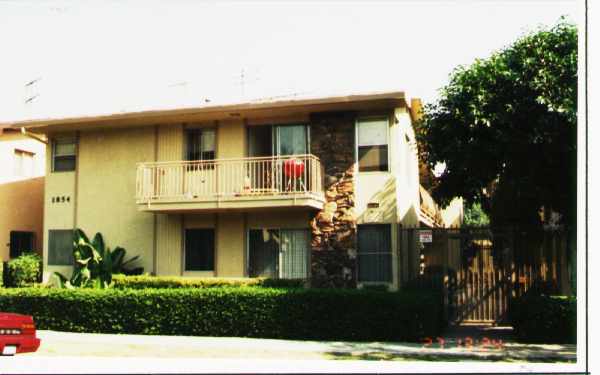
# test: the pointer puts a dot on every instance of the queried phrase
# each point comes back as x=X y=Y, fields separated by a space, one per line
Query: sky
x=90 y=58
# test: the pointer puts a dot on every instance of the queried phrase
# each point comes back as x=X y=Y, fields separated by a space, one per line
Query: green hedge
x=318 y=314
x=146 y=281
x=544 y=319
x=25 y=270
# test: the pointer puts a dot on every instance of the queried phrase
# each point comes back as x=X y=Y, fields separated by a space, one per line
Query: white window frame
x=357 y=145
x=19 y=163
x=53 y=152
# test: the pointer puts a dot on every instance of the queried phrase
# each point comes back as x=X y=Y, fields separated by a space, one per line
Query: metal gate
x=480 y=269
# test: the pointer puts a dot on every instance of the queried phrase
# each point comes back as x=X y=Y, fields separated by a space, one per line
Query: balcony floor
x=229 y=203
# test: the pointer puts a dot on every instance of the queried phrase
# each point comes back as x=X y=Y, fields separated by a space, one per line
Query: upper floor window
x=64 y=154
x=24 y=163
x=280 y=140
x=200 y=144
x=373 y=145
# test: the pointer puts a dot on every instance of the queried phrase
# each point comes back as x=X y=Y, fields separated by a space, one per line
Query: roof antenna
x=30 y=94
x=243 y=80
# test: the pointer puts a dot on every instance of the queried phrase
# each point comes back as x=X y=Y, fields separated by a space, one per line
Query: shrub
x=295 y=313
x=94 y=263
x=23 y=270
x=544 y=319
x=146 y=281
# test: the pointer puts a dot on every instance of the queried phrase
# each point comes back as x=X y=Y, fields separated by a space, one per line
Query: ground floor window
x=374 y=253
x=278 y=253
x=20 y=242
x=60 y=247
x=199 y=250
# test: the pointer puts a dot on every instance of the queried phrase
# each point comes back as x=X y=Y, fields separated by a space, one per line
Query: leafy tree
x=506 y=130
x=474 y=216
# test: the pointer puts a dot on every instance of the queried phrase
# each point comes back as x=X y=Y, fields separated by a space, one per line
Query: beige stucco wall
x=103 y=191
x=452 y=215
x=57 y=215
x=396 y=192
x=11 y=141
x=106 y=189
x=21 y=197
x=230 y=241
x=21 y=209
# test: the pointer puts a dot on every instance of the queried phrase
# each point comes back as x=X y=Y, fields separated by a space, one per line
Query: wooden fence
x=480 y=269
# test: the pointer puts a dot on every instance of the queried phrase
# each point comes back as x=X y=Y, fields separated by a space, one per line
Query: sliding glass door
x=278 y=253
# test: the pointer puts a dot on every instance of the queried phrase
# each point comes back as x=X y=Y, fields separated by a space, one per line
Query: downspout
x=34 y=136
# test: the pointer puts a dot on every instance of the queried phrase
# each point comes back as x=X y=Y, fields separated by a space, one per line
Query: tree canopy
x=506 y=129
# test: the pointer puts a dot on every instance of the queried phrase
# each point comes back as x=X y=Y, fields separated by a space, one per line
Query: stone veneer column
x=333 y=243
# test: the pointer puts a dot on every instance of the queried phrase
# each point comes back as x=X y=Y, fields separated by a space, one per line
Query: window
x=372 y=145
x=278 y=253
x=60 y=247
x=23 y=163
x=199 y=249
x=20 y=242
x=374 y=253
x=200 y=144
x=63 y=154
x=279 y=140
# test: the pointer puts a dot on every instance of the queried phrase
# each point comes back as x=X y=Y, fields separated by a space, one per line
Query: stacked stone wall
x=333 y=242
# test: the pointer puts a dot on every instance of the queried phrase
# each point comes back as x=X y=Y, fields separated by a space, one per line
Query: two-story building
x=301 y=187
x=22 y=168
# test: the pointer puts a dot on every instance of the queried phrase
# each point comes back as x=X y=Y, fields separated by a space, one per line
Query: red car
x=17 y=334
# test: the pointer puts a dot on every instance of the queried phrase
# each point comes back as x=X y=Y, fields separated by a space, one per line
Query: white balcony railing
x=229 y=179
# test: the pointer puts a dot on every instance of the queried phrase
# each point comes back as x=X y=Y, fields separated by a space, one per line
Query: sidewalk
x=55 y=344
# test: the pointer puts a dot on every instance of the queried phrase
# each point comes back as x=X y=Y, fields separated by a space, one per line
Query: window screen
x=63 y=154
x=374 y=253
x=60 y=247
x=200 y=144
x=372 y=145
x=199 y=250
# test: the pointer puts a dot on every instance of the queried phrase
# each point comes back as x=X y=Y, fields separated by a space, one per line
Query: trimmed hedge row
x=146 y=281
x=544 y=319
x=304 y=314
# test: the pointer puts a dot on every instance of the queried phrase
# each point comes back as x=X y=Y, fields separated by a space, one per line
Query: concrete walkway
x=105 y=345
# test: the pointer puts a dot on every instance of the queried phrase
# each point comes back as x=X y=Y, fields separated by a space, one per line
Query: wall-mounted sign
x=425 y=236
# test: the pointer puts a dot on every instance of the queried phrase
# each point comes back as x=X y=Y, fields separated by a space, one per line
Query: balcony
x=230 y=184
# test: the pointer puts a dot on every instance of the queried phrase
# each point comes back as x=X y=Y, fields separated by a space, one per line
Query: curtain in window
x=200 y=144
x=294 y=254
x=278 y=253
x=292 y=140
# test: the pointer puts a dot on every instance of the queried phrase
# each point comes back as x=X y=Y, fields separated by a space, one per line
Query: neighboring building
x=293 y=188
x=22 y=168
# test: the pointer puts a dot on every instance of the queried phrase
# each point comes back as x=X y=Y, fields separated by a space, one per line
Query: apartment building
x=301 y=187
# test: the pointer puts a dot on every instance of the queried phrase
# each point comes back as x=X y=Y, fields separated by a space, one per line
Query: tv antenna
x=30 y=93
x=247 y=78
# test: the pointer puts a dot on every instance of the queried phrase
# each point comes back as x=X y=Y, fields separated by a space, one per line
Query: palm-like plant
x=94 y=263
